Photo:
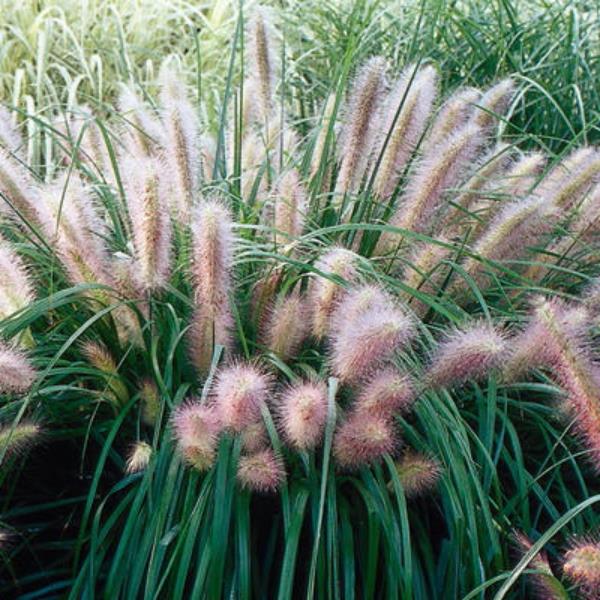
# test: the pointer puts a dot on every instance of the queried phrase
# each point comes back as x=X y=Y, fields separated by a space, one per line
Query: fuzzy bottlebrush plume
x=181 y=142
x=138 y=458
x=197 y=428
x=286 y=325
x=435 y=174
x=144 y=132
x=544 y=584
x=10 y=136
x=386 y=393
x=261 y=471
x=212 y=265
x=16 y=372
x=325 y=293
x=18 y=438
x=415 y=93
x=239 y=392
x=493 y=104
x=303 y=413
x=290 y=207
x=20 y=196
x=100 y=358
x=150 y=221
x=16 y=287
x=467 y=355
x=76 y=231
x=368 y=327
x=150 y=399
x=581 y=565
x=261 y=67
x=362 y=439
x=451 y=118
x=418 y=473
x=361 y=120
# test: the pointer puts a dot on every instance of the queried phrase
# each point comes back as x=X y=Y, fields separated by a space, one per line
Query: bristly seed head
x=15 y=439
x=239 y=391
x=197 y=428
x=16 y=372
x=418 y=473
x=139 y=457
x=261 y=472
x=467 y=355
x=303 y=413
x=581 y=564
x=386 y=393
x=362 y=439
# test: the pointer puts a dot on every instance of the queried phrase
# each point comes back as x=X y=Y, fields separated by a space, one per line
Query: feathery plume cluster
x=303 y=413
x=368 y=327
x=415 y=93
x=139 y=457
x=145 y=133
x=212 y=264
x=360 y=126
x=197 y=428
x=18 y=438
x=544 y=584
x=181 y=142
x=581 y=564
x=324 y=292
x=261 y=472
x=362 y=439
x=239 y=392
x=418 y=473
x=16 y=372
x=151 y=223
x=16 y=287
x=286 y=325
x=467 y=355
x=254 y=437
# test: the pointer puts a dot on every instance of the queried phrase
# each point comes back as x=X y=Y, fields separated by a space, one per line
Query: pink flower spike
x=303 y=413
x=386 y=393
x=467 y=354
x=261 y=472
x=418 y=473
x=581 y=564
x=239 y=391
x=197 y=428
x=16 y=372
x=363 y=439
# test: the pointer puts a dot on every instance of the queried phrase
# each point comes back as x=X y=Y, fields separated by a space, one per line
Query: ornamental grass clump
x=303 y=307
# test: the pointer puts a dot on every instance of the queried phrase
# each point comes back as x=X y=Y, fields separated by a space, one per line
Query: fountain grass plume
x=386 y=393
x=261 y=472
x=16 y=285
x=138 y=458
x=17 y=438
x=418 y=473
x=362 y=439
x=99 y=356
x=361 y=122
x=324 y=293
x=467 y=354
x=416 y=97
x=212 y=262
x=493 y=104
x=238 y=393
x=302 y=411
x=197 y=428
x=286 y=325
x=144 y=130
x=17 y=374
x=290 y=207
x=181 y=142
x=436 y=173
x=150 y=221
x=581 y=565
x=368 y=328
